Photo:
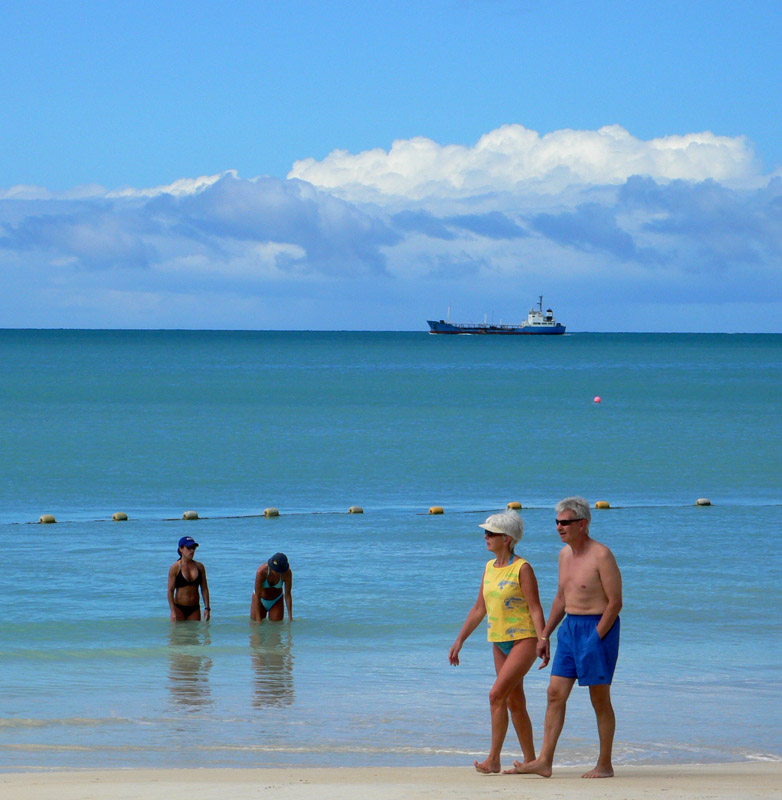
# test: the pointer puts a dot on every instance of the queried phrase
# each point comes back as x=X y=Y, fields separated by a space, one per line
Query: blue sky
x=365 y=165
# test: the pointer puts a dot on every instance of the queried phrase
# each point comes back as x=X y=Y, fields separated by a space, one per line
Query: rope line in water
x=273 y=513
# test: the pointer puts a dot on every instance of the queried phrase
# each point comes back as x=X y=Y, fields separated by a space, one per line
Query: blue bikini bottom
x=267 y=604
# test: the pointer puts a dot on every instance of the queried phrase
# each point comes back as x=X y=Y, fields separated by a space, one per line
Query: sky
x=371 y=165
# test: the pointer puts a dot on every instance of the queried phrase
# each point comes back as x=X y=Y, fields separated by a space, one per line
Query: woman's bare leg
x=506 y=692
x=254 y=607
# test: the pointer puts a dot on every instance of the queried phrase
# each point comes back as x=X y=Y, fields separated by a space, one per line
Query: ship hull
x=450 y=328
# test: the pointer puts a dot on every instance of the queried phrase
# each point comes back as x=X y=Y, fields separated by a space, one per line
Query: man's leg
x=606 y=725
x=559 y=689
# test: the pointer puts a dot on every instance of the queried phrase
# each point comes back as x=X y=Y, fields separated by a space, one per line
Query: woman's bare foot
x=536 y=767
x=487 y=767
x=599 y=772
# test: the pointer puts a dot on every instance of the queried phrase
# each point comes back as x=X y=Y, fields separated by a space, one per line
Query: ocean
x=155 y=423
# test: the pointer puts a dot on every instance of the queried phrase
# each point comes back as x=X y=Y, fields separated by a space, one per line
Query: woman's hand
x=453 y=654
x=543 y=651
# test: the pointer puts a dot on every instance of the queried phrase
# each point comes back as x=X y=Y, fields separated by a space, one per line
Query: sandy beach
x=745 y=780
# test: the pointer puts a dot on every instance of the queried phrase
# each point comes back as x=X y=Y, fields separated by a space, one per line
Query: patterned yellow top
x=507 y=611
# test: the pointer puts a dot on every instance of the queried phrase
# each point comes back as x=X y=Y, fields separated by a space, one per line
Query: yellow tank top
x=507 y=611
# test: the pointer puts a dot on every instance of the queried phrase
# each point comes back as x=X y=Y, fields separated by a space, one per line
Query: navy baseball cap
x=278 y=562
x=187 y=541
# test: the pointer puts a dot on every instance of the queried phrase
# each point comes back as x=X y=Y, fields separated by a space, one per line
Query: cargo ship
x=538 y=323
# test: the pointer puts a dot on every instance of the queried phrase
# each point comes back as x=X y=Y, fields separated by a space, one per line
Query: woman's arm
x=529 y=588
x=205 y=592
x=288 y=582
x=556 y=615
x=260 y=576
x=172 y=570
x=474 y=617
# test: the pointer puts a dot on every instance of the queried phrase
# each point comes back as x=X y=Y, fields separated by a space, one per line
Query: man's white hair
x=578 y=505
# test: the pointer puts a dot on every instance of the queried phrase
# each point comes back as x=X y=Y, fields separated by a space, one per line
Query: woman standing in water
x=509 y=595
x=185 y=577
x=273 y=581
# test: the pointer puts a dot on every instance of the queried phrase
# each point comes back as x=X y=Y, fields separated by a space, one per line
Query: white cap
x=508 y=523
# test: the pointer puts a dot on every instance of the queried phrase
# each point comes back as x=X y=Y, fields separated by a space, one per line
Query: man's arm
x=611 y=580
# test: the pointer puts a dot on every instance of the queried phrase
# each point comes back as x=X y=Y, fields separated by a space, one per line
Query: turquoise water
x=156 y=423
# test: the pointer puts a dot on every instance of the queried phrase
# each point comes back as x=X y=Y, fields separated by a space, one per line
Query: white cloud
x=179 y=188
x=591 y=219
x=25 y=192
x=513 y=158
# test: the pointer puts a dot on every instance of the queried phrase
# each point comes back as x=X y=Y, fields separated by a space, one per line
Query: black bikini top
x=181 y=580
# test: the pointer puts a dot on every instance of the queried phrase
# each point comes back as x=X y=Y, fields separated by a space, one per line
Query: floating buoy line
x=272 y=512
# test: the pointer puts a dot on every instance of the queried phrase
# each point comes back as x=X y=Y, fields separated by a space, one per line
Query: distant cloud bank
x=681 y=232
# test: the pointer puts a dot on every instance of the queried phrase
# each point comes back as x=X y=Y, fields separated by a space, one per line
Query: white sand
x=743 y=781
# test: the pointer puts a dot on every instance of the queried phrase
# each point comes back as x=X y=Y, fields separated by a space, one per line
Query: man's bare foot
x=536 y=767
x=513 y=770
x=487 y=767
x=599 y=772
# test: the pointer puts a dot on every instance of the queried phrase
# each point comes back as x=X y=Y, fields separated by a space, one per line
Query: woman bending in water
x=185 y=577
x=273 y=581
x=509 y=594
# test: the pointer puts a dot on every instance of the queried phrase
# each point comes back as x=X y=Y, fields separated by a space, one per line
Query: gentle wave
x=59 y=722
x=626 y=756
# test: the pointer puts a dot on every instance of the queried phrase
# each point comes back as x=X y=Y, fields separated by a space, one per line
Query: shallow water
x=154 y=423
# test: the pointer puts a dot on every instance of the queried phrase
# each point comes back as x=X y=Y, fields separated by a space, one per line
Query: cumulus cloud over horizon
x=593 y=219
x=512 y=157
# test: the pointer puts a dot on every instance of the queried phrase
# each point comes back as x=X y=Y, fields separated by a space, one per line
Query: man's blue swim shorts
x=582 y=654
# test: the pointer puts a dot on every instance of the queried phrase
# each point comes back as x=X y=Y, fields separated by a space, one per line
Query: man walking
x=589 y=598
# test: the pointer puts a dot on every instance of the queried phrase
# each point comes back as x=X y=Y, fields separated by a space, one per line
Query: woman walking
x=509 y=595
